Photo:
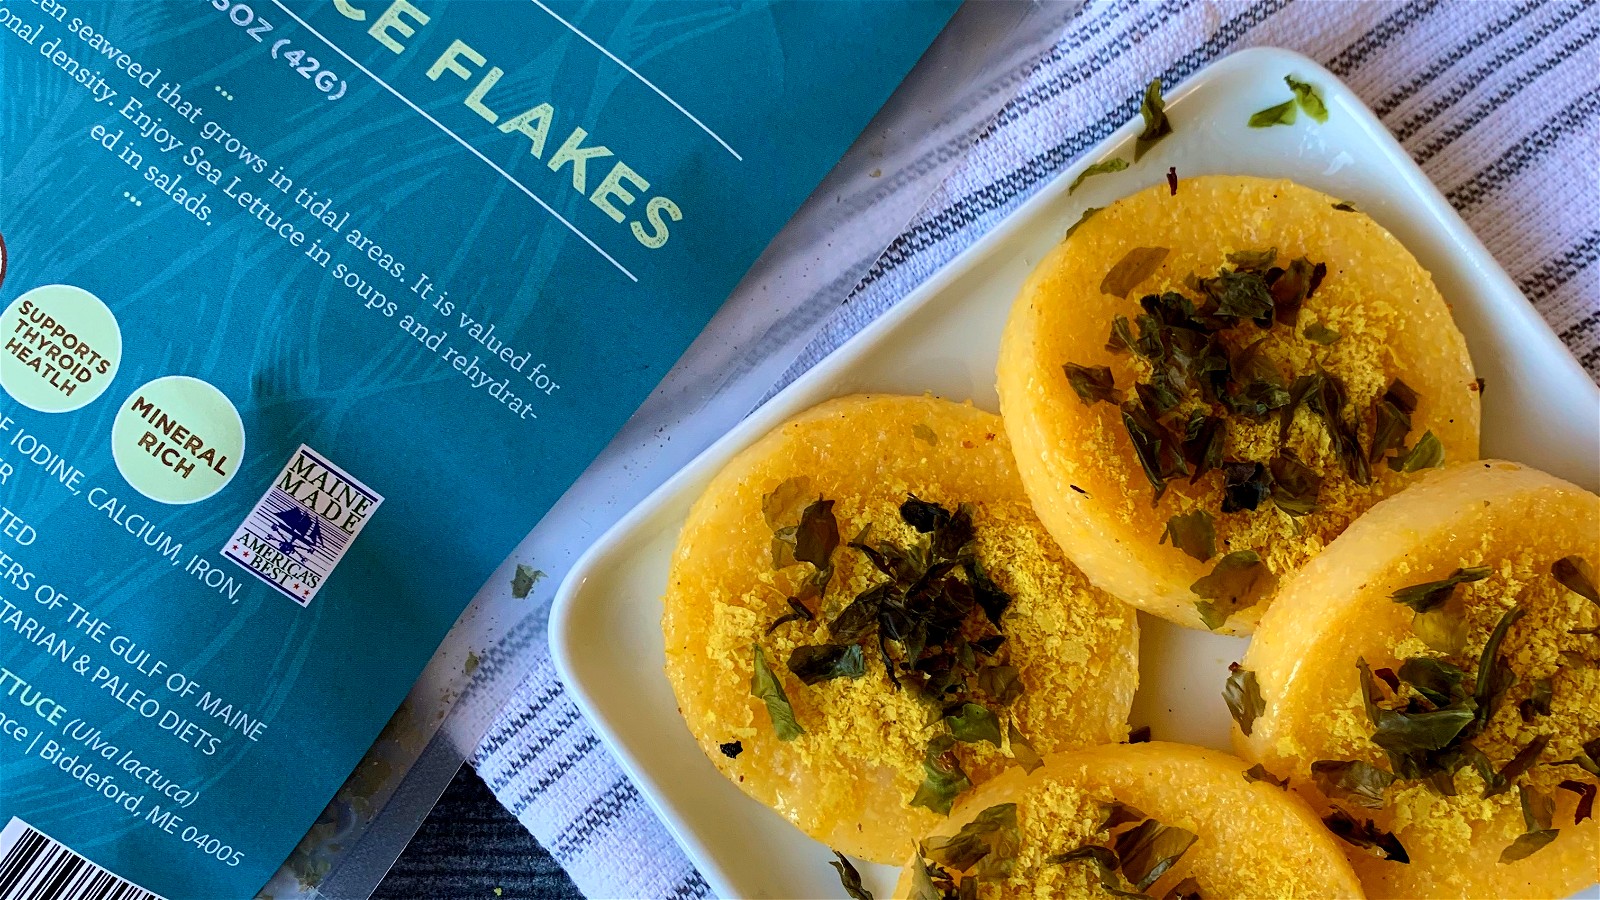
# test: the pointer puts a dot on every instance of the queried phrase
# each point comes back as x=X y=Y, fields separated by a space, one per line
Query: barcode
x=35 y=866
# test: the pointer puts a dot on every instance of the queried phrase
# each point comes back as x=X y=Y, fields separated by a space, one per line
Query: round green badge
x=61 y=348
x=177 y=439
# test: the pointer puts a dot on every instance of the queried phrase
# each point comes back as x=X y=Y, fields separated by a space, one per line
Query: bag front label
x=303 y=525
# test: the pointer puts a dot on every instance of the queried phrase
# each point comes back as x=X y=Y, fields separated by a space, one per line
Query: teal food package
x=310 y=310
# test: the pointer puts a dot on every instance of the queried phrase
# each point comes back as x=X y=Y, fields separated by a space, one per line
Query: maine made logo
x=302 y=526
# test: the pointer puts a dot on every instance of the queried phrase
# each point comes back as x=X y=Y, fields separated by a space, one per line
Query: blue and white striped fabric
x=1497 y=101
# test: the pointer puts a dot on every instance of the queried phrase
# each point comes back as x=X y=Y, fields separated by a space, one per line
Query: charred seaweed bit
x=1115 y=813
x=1239 y=294
x=1574 y=575
x=1362 y=783
x=1294 y=485
x=931 y=882
x=1366 y=835
x=814 y=665
x=1078 y=489
x=1087 y=213
x=1143 y=853
x=1443 y=628
x=731 y=749
x=990 y=598
x=923 y=433
x=1022 y=752
x=1242 y=693
x=1114 y=164
x=1153 y=109
x=1157 y=448
x=1392 y=419
x=989 y=842
x=1345 y=206
x=1318 y=333
x=856 y=621
x=818 y=535
x=925 y=517
x=1308 y=98
x=1537 y=703
x=1427 y=454
x=1537 y=811
x=1140 y=735
x=1401 y=395
x=1187 y=358
x=1586 y=793
x=1003 y=683
x=1577 y=660
x=1135 y=266
x=1328 y=401
x=990 y=645
x=1149 y=849
x=971 y=722
x=1258 y=772
x=950 y=540
x=943 y=778
x=1092 y=384
x=1588 y=759
x=1105 y=864
x=783 y=547
x=1253 y=260
x=1202 y=444
x=1187 y=889
x=1239 y=580
x=1257 y=387
x=1468 y=755
x=1283 y=113
x=798 y=612
x=1303 y=387
x=812 y=539
x=523 y=581
x=1494 y=677
x=850 y=878
x=1522 y=762
x=1172 y=180
x=765 y=687
x=1121 y=338
x=1245 y=485
x=1157 y=396
x=1292 y=287
x=1438 y=681
x=785 y=503
x=1194 y=533
x=1431 y=594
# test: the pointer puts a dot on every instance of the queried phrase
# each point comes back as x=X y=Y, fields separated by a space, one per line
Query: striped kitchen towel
x=1496 y=101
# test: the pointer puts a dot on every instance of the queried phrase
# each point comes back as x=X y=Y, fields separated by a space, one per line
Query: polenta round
x=1204 y=389
x=1118 y=814
x=876 y=528
x=1469 y=599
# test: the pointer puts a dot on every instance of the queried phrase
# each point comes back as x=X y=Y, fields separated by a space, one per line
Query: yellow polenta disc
x=1509 y=526
x=1249 y=839
x=850 y=777
x=1372 y=316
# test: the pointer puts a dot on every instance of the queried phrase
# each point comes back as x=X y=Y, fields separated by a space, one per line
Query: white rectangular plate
x=1539 y=408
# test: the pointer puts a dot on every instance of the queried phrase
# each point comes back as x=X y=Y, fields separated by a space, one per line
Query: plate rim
x=787 y=402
